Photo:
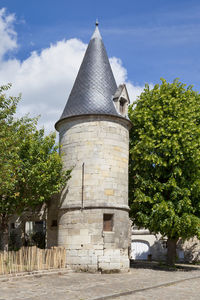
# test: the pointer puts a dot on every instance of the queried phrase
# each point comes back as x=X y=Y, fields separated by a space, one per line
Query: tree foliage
x=30 y=166
x=165 y=160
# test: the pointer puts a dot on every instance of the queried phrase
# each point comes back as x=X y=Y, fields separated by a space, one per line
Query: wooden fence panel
x=32 y=259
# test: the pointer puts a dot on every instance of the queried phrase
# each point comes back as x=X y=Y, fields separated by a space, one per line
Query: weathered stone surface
x=93 y=245
x=191 y=249
x=102 y=144
x=105 y=155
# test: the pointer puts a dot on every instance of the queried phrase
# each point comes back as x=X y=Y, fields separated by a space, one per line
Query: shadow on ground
x=161 y=266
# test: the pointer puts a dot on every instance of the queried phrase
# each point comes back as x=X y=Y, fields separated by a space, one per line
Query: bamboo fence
x=32 y=259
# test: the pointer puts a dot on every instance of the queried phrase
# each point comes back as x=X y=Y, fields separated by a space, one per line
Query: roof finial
x=96 y=34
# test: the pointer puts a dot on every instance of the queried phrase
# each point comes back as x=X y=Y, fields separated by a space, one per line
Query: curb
x=17 y=276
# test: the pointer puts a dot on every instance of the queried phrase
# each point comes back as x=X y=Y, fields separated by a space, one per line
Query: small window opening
x=38 y=223
x=108 y=222
x=122 y=106
x=54 y=223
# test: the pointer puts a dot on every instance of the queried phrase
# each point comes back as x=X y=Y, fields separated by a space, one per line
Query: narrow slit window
x=108 y=222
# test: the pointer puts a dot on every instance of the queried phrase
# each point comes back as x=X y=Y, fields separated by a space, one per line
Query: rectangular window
x=12 y=225
x=54 y=223
x=107 y=222
x=121 y=108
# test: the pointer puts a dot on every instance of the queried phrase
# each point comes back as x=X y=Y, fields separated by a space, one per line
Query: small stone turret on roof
x=121 y=100
x=95 y=85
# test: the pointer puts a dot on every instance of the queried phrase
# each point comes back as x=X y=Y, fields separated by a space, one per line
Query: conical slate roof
x=95 y=85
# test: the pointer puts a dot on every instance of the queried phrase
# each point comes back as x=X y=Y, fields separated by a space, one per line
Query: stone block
x=73 y=231
x=91 y=252
x=95 y=239
x=88 y=246
x=99 y=252
x=78 y=239
x=92 y=268
x=73 y=260
x=82 y=253
x=109 y=192
x=71 y=252
x=84 y=232
x=104 y=266
x=109 y=237
x=114 y=266
x=94 y=260
x=85 y=260
x=108 y=252
x=104 y=258
x=116 y=260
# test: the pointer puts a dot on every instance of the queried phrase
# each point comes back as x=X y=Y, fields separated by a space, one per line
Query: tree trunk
x=22 y=230
x=4 y=237
x=171 y=251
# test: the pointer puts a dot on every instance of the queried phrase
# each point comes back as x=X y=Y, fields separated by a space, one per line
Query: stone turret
x=93 y=218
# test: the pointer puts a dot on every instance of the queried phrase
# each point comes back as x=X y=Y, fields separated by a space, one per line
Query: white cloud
x=119 y=71
x=134 y=90
x=45 y=79
x=8 y=36
x=121 y=76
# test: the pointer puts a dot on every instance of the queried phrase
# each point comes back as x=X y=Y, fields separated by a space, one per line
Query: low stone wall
x=191 y=249
x=88 y=247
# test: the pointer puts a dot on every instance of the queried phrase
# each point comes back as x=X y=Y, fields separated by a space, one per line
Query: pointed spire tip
x=96 y=34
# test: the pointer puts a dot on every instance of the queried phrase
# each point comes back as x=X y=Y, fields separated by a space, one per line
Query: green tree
x=165 y=162
x=30 y=166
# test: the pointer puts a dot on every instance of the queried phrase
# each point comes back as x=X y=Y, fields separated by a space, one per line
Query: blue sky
x=152 y=38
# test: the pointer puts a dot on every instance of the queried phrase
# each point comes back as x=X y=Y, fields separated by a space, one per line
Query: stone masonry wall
x=103 y=146
x=88 y=247
x=101 y=143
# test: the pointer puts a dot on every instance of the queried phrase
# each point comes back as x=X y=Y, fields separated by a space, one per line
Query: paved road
x=137 y=284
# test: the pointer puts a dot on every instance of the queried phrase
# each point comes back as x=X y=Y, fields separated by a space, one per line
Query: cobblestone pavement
x=137 y=284
x=189 y=289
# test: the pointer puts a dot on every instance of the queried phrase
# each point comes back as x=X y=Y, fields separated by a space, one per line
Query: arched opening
x=140 y=250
